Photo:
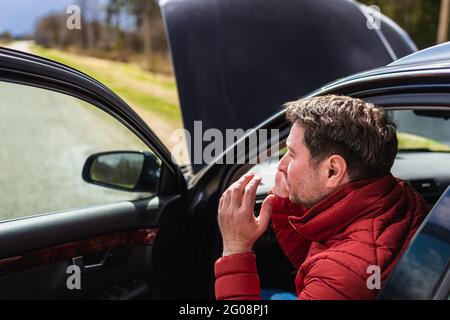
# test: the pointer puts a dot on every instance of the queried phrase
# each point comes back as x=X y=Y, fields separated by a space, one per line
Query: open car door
x=423 y=272
x=63 y=234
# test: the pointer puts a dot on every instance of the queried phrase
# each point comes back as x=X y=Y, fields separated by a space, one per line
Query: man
x=336 y=210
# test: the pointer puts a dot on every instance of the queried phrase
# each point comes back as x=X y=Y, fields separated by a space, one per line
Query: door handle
x=79 y=261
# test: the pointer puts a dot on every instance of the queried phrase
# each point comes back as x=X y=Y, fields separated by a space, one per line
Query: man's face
x=305 y=182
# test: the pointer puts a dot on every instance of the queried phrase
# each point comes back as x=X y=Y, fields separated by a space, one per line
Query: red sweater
x=367 y=222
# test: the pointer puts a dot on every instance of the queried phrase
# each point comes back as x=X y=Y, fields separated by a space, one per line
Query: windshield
x=422 y=130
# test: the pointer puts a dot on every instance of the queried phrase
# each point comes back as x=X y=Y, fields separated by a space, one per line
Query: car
x=100 y=210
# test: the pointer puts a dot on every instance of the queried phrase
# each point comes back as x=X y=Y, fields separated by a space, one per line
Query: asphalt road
x=45 y=139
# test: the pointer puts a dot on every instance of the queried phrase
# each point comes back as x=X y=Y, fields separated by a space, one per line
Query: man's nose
x=282 y=165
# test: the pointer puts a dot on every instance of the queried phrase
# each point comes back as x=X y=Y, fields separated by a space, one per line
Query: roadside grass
x=141 y=89
x=410 y=141
x=4 y=43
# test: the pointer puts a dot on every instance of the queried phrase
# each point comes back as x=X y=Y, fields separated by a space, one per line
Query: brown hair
x=358 y=131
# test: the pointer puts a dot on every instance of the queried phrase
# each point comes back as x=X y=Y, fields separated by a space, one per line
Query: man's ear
x=337 y=171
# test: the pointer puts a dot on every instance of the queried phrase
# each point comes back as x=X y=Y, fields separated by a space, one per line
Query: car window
x=420 y=129
x=46 y=138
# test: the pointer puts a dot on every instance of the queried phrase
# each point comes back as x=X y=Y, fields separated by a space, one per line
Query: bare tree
x=442 y=34
x=146 y=32
x=144 y=11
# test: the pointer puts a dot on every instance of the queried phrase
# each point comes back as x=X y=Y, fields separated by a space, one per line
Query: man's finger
x=264 y=214
x=226 y=199
x=238 y=188
x=242 y=181
x=220 y=203
x=250 y=192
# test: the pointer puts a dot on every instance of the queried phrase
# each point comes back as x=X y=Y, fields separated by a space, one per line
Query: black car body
x=164 y=246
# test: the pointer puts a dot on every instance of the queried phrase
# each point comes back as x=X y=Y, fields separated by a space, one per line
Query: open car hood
x=237 y=61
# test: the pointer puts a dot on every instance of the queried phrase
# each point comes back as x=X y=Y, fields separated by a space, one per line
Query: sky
x=19 y=16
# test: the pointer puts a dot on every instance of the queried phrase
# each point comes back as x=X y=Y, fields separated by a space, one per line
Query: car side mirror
x=123 y=170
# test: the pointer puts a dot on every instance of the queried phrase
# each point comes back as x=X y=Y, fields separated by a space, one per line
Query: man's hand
x=280 y=188
x=238 y=224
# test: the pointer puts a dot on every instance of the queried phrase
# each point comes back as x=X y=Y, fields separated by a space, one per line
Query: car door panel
x=49 y=230
x=50 y=281
x=36 y=252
